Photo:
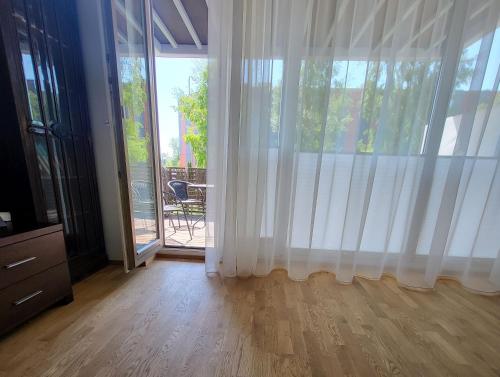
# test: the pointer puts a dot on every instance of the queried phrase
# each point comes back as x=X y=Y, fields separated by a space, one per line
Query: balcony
x=184 y=225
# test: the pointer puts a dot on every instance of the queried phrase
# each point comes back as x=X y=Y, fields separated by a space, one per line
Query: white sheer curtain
x=357 y=137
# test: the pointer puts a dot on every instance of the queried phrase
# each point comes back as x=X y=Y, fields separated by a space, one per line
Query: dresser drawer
x=24 y=299
x=21 y=260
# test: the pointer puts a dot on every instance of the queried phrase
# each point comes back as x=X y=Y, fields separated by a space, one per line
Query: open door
x=131 y=63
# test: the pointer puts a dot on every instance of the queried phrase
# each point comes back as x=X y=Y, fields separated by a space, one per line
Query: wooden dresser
x=33 y=274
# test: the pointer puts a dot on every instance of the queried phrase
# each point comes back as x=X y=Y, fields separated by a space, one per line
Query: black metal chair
x=189 y=206
x=170 y=209
x=143 y=206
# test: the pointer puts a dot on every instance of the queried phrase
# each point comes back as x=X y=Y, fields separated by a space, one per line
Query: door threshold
x=185 y=253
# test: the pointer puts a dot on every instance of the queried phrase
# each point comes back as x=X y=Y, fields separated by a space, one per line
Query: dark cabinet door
x=57 y=136
x=38 y=94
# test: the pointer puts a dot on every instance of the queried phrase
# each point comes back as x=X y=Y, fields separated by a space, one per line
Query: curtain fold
x=356 y=137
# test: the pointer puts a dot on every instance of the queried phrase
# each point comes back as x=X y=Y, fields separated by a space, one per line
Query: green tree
x=400 y=127
x=172 y=158
x=324 y=108
x=34 y=104
x=194 y=107
x=394 y=105
x=134 y=97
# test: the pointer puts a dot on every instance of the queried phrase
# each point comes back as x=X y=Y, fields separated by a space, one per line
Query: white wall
x=488 y=140
x=94 y=63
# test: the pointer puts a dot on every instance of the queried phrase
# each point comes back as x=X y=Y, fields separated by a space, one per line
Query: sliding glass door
x=136 y=125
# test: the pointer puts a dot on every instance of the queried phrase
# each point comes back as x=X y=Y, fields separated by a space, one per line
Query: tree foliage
x=400 y=125
x=392 y=107
x=172 y=158
x=134 y=97
x=194 y=107
x=324 y=110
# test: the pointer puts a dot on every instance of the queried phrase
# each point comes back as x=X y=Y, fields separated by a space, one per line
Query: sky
x=171 y=73
x=472 y=52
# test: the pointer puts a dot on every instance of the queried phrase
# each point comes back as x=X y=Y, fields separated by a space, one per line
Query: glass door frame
x=133 y=257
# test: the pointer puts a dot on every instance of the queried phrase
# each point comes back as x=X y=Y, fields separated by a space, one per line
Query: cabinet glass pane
x=31 y=66
x=41 y=60
x=42 y=155
x=61 y=180
x=27 y=60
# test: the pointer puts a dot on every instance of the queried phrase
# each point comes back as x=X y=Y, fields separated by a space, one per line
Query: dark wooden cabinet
x=33 y=274
x=27 y=254
x=47 y=167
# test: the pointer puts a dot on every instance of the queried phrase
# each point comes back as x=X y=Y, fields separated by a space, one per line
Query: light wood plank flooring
x=169 y=319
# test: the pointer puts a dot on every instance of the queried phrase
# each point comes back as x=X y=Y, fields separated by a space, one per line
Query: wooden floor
x=169 y=319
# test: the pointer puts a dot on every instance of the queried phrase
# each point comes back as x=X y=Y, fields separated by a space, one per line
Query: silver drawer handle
x=27 y=298
x=18 y=263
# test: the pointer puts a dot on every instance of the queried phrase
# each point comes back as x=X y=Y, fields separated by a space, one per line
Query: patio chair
x=188 y=205
x=143 y=206
x=170 y=209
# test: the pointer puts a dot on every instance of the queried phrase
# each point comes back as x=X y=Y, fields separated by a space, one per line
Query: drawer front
x=23 y=300
x=23 y=259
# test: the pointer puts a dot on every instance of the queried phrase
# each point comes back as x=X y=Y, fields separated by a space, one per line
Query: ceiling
x=180 y=26
x=197 y=12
